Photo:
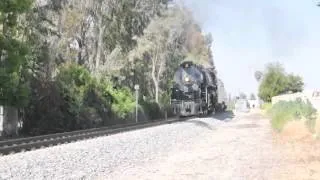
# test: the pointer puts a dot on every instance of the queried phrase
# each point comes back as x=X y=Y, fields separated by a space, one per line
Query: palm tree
x=258 y=75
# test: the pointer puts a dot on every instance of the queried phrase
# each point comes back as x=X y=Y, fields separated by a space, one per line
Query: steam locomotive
x=194 y=90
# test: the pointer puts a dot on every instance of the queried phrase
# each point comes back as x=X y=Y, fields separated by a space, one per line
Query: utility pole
x=136 y=87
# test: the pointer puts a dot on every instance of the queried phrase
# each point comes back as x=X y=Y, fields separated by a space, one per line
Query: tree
x=160 y=49
x=273 y=83
x=13 y=61
x=243 y=95
x=295 y=83
x=276 y=82
x=252 y=96
x=258 y=75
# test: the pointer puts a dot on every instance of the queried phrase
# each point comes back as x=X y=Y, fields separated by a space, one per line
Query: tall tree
x=160 y=46
x=13 y=61
x=276 y=82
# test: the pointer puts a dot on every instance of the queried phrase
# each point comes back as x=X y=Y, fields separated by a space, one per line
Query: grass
x=285 y=111
x=266 y=106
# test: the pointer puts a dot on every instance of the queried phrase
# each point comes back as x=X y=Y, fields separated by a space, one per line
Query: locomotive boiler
x=194 y=90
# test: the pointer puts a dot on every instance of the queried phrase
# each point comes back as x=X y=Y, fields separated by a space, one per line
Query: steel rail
x=32 y=143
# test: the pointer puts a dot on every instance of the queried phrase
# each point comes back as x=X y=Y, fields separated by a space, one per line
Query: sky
x=248 y=34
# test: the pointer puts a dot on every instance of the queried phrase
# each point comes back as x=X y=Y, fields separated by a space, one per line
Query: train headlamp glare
x=187 y=79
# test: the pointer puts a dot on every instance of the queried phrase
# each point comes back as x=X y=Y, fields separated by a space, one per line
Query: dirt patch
x=246 y=126
x=300 y=151
x=317 y=127
x=296 y=131
x=301 y=161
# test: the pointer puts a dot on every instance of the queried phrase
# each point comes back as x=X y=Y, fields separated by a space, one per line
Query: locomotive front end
x=185 y=97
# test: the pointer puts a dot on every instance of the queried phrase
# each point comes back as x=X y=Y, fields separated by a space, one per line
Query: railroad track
x=32 y=143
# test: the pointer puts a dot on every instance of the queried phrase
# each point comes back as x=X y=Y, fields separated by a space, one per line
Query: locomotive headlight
x=186 y=79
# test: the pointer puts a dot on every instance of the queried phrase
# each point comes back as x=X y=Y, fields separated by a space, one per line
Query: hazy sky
x=250 y=33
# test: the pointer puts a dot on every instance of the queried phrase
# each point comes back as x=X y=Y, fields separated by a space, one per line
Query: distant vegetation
x=242 y=95
x=252 y=96
x=275 y=81
x=285 y=111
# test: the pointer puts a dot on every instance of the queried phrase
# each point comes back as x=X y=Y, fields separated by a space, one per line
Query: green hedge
x=285 y=111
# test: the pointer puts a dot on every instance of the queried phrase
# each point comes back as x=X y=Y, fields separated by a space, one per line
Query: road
x=241 y=148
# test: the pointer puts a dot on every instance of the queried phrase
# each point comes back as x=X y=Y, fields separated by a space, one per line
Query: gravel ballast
x=89 y=158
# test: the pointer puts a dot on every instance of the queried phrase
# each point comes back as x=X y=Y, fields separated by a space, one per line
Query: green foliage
x=276 y=82
x=152 y=109
x=123 y=101
x=126 y=22
x=14 y=88
x=285 y=111
x=74 y=82
x=266 y=106
x=16 y=6
x=75 y=100
x=295 y=83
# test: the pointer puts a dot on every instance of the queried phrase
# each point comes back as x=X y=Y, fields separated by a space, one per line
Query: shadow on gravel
x=224 y=116
x=201 y=124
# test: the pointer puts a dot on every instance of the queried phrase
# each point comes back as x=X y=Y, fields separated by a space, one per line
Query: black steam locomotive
x=194 y=90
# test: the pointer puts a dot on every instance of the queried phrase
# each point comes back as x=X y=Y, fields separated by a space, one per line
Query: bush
x=46 y=111
x=152 y=110
x=123 y=101
x=75 y=100
x=74 y=82
x=285 y=111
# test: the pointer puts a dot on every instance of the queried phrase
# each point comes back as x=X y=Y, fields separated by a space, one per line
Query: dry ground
x=301 y=153
x=243 y=148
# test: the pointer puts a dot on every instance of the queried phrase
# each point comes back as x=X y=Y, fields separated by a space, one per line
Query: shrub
x=123 y=101
x=285 y=111
x=46 y=111
x=152 y=109
x=75 y=100
x=74 y=82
